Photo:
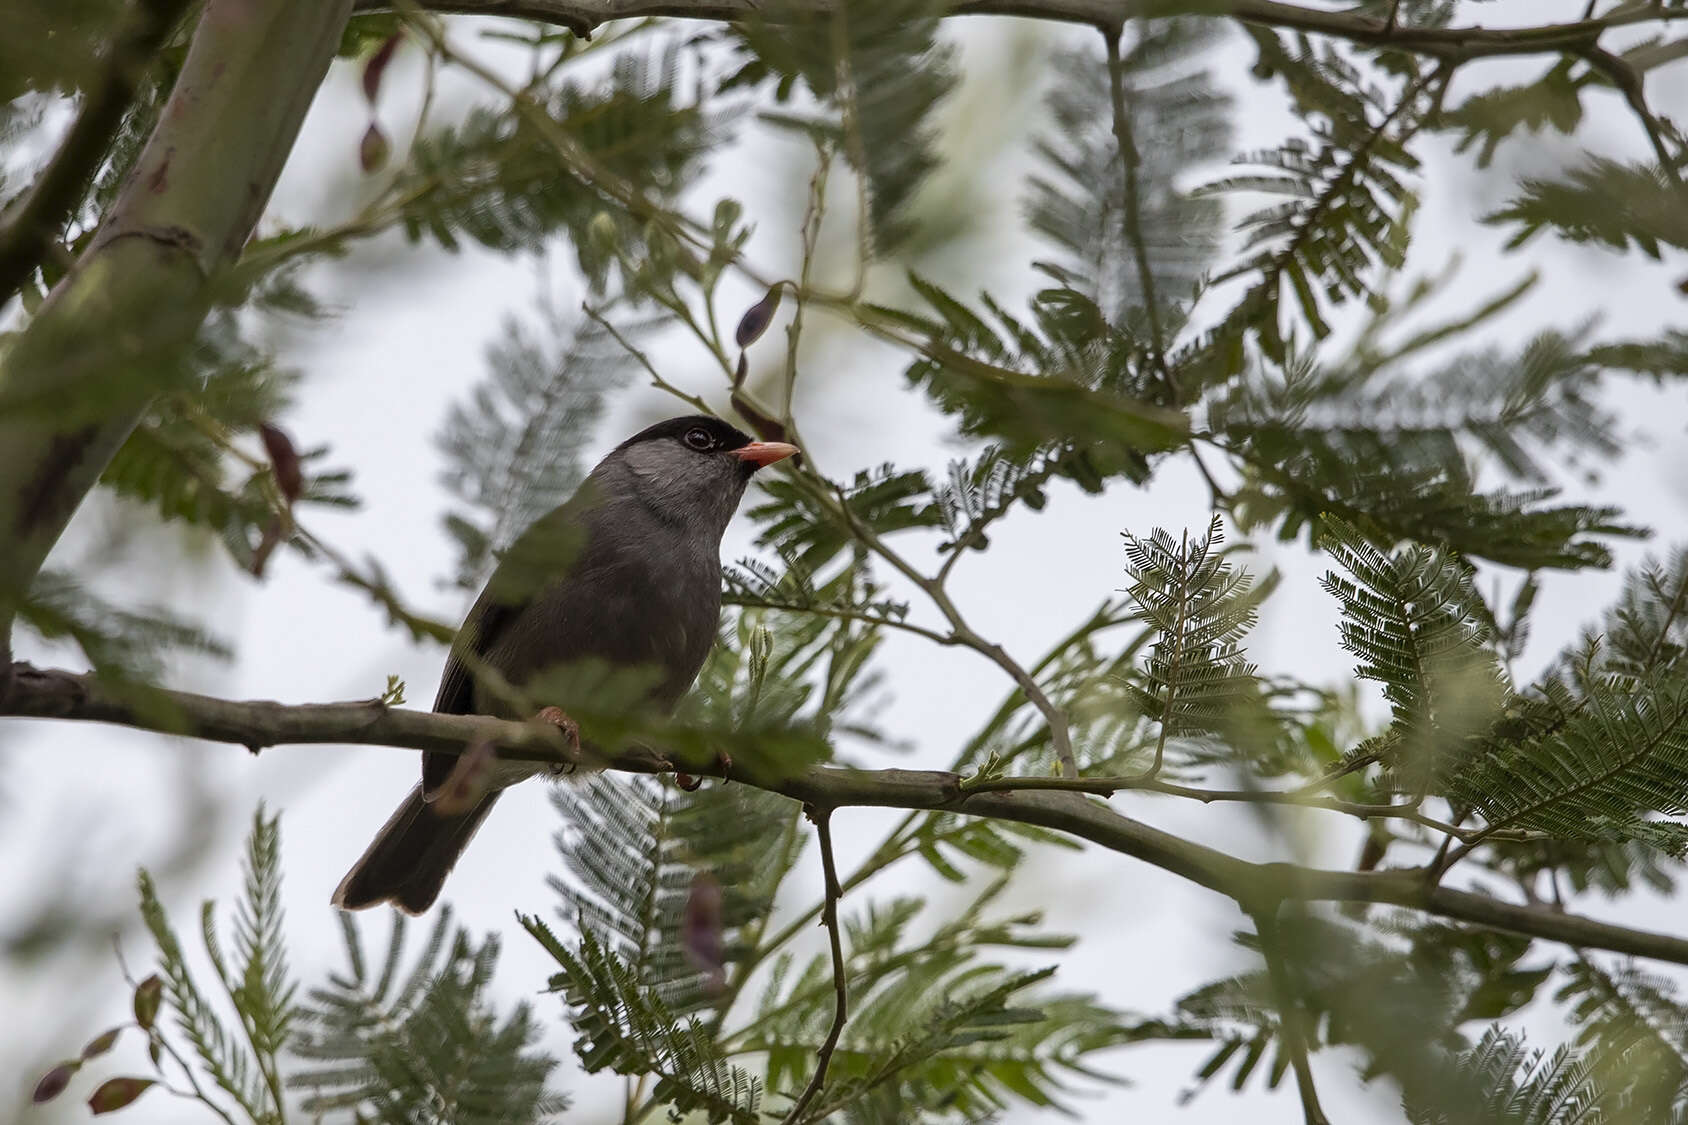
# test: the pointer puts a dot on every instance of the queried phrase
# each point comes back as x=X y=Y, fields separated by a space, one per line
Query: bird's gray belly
x=634 y=624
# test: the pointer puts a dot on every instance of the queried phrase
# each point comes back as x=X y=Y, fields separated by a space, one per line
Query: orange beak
x=764 y=453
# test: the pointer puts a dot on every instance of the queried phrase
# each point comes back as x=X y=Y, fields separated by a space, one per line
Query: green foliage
x=1499 y=113
x=1606 y=202
x=1501 y=1081
x=1633 y=1030
x=1079 y=202
x=1418 y=628
x=946 y=1030
x=879 y=65
x=626 y=1027
x=421 y=1045
x=633 y=851
x=500 y=181
x=119 y=644
x=1604 y=765
x=513 y=449
x=183 y=460
x=809 y=531
x=243 y=1064
x=1347 y=200
x=1067 y=395
x=1196 y=678
x=1400 y=993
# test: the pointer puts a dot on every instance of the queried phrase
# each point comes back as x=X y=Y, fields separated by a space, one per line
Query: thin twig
x=1132 y=219
x=829 y=918
x=644 y=361
x=849 y=102
x=1629 y=83
x=813 y=215
x=962 y=633
x=1104 y=786
x=1290 y=1016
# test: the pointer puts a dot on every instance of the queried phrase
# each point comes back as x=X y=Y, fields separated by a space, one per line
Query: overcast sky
x=85 y=804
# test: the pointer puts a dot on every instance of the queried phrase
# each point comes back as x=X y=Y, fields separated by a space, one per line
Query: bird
x=625 y=574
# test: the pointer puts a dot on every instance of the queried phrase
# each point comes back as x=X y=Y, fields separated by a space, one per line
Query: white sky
x=84 y=805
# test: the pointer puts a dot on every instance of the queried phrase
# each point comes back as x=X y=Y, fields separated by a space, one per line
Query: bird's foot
x=690 y=783
x=559 y=718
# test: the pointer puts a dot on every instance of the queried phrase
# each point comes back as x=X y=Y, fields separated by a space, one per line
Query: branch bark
x=32 y=222
x=69 y=396
x=1457 y=43
x=53 y=694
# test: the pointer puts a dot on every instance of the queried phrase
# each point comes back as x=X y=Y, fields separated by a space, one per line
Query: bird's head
x=691 y=471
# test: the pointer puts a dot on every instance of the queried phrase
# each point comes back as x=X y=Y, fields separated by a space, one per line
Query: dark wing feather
x=480 y=631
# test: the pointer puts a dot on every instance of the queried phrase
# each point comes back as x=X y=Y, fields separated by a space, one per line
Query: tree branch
x=70 y=396
x=840 y=989
x=1455 y=43
x=1628 y=80
x=33 y=221
x=53 y=694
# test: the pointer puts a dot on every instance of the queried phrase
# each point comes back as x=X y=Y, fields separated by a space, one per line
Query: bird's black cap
x=726 y=435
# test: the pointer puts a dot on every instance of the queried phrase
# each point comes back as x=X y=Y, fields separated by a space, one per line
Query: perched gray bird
x=626 y=574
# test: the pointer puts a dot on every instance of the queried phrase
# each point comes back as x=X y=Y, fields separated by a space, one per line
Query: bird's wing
x=456 y=696
x=523 y=570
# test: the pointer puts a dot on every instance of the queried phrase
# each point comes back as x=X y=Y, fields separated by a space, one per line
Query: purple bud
x=701 y=926
x=376 y=67
x=757 y=317
x=52 y=1083
x=284 y=460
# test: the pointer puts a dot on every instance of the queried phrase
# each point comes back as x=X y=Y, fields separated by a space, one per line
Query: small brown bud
x=115 y=1093
x=148 y=994
x=374 y=149
x=101 y=1043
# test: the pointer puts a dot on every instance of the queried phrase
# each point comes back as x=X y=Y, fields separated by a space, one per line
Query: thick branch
x=32 y=222
x=70 y=396
x=49 y=694
x=582 y=16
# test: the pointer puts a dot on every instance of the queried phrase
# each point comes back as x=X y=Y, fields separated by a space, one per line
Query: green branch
x=34 y=220
x=1454 y=43
x=52 y=694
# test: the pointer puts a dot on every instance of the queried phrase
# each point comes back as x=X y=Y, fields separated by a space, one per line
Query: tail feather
x=410 y=857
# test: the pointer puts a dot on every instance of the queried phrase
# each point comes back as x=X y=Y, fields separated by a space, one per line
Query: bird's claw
x=557 y=717
x=690 y=783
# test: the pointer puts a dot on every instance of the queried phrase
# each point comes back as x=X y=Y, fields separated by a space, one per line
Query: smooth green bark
x=74 y=384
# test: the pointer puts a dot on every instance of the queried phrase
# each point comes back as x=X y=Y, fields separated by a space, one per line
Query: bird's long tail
x=410 y=857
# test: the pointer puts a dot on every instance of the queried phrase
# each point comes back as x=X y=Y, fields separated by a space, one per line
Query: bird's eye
x=699 y=439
